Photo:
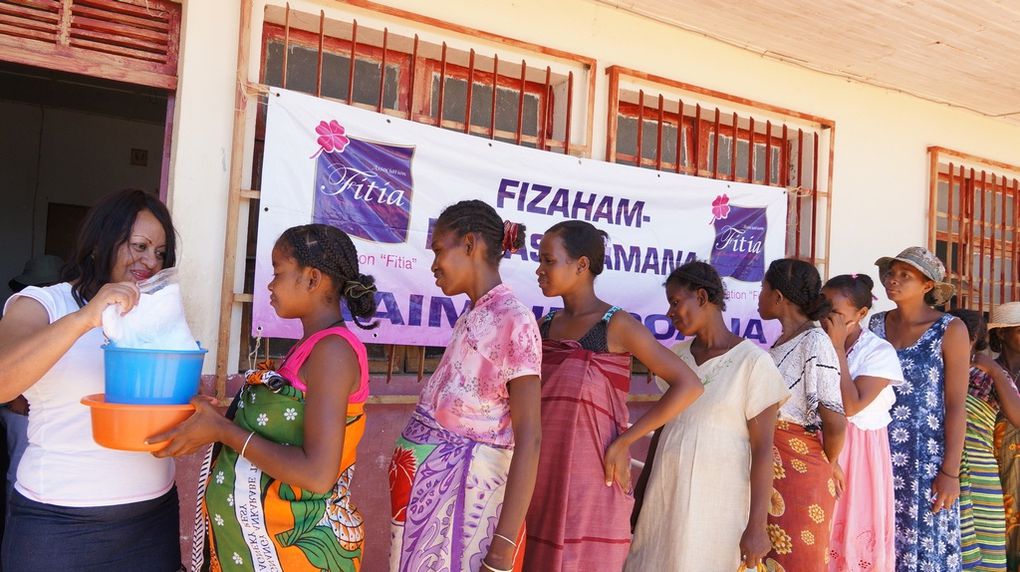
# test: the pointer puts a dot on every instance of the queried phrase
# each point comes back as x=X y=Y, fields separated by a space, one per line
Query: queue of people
x=845 y=446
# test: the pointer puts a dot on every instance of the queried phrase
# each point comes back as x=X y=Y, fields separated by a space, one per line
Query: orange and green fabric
x=252 y=521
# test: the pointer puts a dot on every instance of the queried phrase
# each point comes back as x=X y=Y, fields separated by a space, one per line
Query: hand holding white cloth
x=157 y=322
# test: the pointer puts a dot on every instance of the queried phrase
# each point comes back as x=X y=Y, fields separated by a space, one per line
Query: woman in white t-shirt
x=863 y=531
x=76 y=505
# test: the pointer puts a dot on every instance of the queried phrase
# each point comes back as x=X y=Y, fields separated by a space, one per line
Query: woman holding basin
x=77 y=505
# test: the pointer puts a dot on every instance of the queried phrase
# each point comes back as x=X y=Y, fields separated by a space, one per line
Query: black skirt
x=141 y=536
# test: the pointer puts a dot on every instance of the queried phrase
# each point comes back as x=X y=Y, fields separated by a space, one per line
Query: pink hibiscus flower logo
x=720 y=208
x=332 y=137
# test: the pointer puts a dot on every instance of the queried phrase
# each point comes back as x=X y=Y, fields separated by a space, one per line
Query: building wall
x=880 y=165
x=879 y=188
x=200 y=157
x=880 y=179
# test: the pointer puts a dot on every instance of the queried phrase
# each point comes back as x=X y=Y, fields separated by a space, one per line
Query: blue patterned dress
x=925 y=542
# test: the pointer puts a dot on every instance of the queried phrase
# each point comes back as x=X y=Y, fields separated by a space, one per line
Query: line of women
x=842 y=447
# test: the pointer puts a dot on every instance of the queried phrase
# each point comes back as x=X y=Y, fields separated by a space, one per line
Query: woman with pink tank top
x=277 y=491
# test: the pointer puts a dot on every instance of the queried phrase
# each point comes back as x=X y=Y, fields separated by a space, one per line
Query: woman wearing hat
x=929 y=419
x=1004 y=338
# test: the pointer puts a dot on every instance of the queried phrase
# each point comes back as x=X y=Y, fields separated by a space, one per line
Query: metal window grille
x=973 y=226
x=441 y=84
x=667 y=125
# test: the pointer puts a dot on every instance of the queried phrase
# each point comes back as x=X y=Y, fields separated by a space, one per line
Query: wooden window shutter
x=134 y=41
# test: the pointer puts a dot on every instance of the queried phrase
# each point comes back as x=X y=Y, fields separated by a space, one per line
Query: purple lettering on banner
x=630 y=216
x=560 y=203
x=502 y=194
x=604 y=210
x=739 y=247
x=627 y=258
x=414 y=318
x=534 y=205
x=365 y=189
x=580 y=204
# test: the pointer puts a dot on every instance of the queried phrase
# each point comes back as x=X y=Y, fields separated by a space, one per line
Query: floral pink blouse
x=494 y=342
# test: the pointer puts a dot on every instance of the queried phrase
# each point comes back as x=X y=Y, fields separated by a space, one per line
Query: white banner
x=385 y=180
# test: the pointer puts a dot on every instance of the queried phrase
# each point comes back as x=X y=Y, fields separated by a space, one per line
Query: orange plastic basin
x=126 y=427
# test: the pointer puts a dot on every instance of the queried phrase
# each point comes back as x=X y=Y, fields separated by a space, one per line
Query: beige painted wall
x=880 y=167
x=200 y=157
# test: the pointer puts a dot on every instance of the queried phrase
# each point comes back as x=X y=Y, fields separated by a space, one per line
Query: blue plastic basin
x=155 y=377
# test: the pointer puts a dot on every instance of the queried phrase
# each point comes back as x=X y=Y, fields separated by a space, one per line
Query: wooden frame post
x=233 y=200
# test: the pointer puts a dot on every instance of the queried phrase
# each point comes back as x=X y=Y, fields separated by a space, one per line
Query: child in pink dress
x=863 y=531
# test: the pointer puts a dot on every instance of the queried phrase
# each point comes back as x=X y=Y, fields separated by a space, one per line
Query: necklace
x=785 y=338
x=1005 y=365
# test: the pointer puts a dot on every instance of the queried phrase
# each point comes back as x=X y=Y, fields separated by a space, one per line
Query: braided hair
x=976 y=329
x=801 y=284
x=478 y=217
x=581 y=238
x=856 y=288
x=698 y=275
x=329 y=250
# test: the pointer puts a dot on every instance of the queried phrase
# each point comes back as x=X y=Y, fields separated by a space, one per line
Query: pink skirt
x=863 y=530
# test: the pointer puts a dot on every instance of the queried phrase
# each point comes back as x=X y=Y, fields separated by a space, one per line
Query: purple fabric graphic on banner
x=739 y=247
x=365 y=190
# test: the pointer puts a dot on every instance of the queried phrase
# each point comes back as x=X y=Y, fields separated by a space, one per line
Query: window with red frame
x=973 y=228
x=419 y=79
x=690 y=134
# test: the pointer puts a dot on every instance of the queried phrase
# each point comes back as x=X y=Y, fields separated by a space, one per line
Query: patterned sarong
x=803 y=498
x=260 y=523
x=446 y=493
x=982 y=512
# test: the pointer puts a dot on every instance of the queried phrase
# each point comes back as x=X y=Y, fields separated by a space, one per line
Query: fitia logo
x=739 y=247
x=362 y=187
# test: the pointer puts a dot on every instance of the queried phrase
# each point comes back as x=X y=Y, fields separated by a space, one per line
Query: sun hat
x=926 y=263
x=42 y=270
x=1005 y=316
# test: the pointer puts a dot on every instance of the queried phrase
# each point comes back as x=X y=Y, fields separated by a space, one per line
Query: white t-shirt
x=62 y=465
x=874 y=357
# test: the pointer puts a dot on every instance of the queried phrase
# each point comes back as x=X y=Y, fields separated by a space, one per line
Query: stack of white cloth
x=157 y=322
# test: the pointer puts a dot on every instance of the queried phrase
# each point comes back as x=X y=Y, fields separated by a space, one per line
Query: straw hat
x=1005 y=316
x=926 y=263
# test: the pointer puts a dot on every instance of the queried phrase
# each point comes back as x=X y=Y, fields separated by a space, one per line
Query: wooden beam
x=233 y=200
x=589 y=63
x=973 y=158
x=933 y=189
x=679 y=85
x=79 y=61
x=612 y=115
x=472 y=32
